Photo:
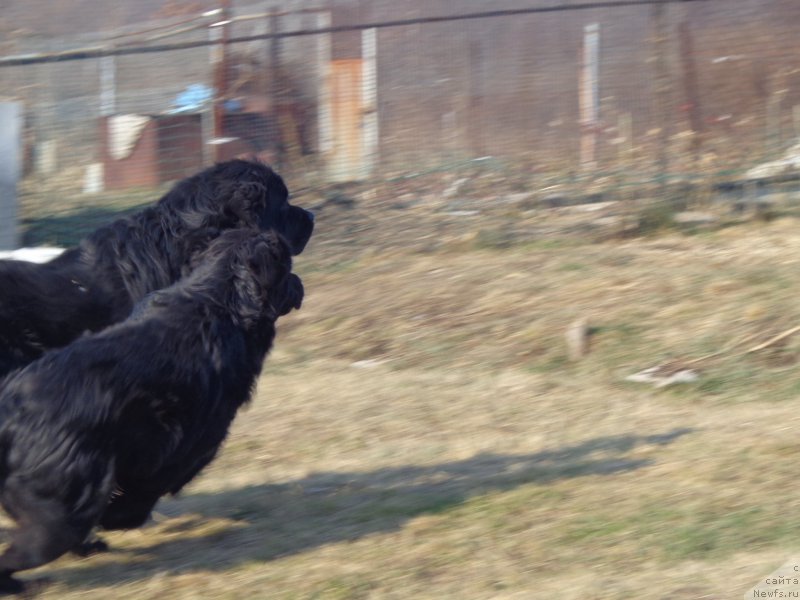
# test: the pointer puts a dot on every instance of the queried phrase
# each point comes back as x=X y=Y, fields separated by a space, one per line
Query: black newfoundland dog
x=95 y=433
x=97 y=283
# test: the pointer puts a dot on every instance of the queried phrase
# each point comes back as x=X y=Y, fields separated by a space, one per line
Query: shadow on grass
x=68 y=229
x=265 y=522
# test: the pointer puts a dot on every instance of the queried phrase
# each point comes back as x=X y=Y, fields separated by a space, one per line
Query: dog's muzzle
x=293 y=297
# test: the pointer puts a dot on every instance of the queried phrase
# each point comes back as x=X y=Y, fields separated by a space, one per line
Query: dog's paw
x=10 y=586
x=91 y=547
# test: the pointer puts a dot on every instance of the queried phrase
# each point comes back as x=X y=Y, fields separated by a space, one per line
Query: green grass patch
x=675 y=534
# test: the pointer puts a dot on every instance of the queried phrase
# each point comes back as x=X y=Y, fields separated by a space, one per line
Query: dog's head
x=264 y=286
x=241 y=193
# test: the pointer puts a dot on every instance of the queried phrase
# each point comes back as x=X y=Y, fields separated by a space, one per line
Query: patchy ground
x=419 y=431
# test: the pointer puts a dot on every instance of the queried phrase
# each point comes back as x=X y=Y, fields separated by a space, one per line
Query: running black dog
x=96 y=284
x=95 y=433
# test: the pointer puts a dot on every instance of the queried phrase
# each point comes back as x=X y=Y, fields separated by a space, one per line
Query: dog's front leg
x=46 y=532
x=129 y=510
x=90 y=546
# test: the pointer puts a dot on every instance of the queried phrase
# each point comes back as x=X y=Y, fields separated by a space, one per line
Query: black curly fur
x=97 y=283
x=95 y=433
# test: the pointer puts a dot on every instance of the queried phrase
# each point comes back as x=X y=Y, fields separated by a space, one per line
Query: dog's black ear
x=195 y=243
x=264 y=283
x=292 y=295
x=243 y=202
x=270 y=258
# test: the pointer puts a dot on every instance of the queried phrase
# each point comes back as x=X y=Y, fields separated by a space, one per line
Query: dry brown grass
x=420 y=433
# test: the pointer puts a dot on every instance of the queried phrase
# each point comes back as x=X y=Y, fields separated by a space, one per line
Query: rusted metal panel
x=139 y=168
x=166 y=148
x=347 y=157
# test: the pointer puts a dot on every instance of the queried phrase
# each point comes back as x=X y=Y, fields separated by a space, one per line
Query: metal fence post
x=10 y=150
x=369 y=92
x=589 y=100
x=663 y=94
x=324 y=99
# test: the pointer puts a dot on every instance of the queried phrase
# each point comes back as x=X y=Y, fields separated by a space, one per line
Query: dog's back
x=44 y=306
x=97 y=282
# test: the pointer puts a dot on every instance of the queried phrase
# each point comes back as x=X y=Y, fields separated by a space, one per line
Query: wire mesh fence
x=569 y=102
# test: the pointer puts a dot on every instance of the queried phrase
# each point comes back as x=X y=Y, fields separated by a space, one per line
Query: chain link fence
x=565 y=103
